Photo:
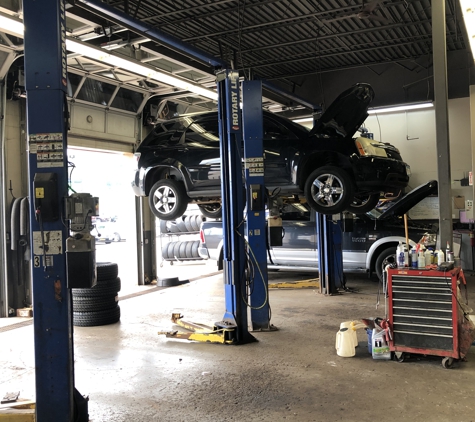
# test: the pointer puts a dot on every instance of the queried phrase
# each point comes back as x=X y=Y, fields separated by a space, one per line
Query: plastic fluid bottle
x=447 y=249
x=413 y=257
x=421 y=261
x=440 y=257
x=427 y=257
x=400 y=255
x=380 y=349
x=406 y=256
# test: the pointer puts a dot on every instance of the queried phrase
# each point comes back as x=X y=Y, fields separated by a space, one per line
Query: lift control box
x=45 y=187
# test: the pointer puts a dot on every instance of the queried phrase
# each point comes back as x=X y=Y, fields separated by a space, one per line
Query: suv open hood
x=403 y=205
x=346 y=113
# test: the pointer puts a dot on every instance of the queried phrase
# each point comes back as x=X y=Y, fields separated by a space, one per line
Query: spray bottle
x=440 y=257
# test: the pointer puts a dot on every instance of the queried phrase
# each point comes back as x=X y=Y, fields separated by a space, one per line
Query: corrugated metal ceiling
x=279 y=39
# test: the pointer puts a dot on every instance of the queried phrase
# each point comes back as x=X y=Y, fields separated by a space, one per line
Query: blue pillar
x=256 y=224
x=230 y=133
x=46 y=76
x=330 y=256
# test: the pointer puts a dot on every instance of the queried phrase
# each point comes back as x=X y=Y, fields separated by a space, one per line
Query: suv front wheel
x=168 y=199
x=329 y=190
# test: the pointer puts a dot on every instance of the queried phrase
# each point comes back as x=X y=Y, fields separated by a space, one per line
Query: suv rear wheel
x=168 y=199
x=211 y=210
x=362 y=203
x=329 y=190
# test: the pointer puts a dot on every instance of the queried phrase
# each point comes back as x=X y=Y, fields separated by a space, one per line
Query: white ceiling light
x=468 y=11
x=15 y=27
x=136 y=67
x=403 y=107
x=11 y=25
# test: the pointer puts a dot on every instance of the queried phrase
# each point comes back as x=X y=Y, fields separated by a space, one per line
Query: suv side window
x=203 y=132
x=275 y=131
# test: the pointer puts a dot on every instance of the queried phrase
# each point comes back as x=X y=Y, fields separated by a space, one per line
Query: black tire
x=194 y=249
x=188 y=249
x=199 y=220
x=94 y=304
x=388 y=256
x=180 y=224
x=211 y=210
x=176 y=250
x=92 y=319
x=329 y=190
x=171 y=247
x=165 y=251
x=109 y=288
x=182 y=251
x=106 y=271
x=189 y=227
x=163 y=227
x=194 y=223
x=172 y=227
x=362 y=203
x=168 y=199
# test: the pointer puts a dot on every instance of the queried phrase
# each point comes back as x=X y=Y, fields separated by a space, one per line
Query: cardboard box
x=459 y=202
x=24 y=312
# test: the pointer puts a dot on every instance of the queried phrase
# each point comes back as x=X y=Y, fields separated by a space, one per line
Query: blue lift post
x=230 y=133
x=46 y=81
x=256 y=224
x=330 y=257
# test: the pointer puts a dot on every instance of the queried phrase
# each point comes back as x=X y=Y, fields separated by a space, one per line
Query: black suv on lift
x=179 y=161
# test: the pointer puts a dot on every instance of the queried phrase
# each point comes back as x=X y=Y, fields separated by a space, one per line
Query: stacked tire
x=181 y=250
x=183 y=224
x=98 y=305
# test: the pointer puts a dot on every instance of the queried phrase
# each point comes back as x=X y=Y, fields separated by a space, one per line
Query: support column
x=442 y=123
x=256 y=220
x=230 y=134
x=46 y=80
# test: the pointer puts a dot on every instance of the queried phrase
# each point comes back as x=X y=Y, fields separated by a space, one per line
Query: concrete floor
x=133 y=374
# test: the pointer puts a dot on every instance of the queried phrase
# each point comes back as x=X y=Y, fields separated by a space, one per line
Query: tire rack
x=423 y=313
x=180 y=251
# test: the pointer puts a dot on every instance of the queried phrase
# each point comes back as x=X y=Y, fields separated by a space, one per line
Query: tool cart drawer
x=422 y=310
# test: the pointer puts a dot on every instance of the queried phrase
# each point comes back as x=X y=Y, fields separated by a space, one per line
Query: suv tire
x=168 y=199
x=388 y=256
x=362 y=203
x=329 y=190
x=211 y=210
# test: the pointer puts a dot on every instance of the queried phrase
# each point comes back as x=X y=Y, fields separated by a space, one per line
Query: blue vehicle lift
x=46 y=80
x=330 y=256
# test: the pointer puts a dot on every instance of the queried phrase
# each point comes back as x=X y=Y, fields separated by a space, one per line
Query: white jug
x=345 y=343
x=350 y=325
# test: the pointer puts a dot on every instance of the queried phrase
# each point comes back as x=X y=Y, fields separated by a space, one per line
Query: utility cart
x=423 y=313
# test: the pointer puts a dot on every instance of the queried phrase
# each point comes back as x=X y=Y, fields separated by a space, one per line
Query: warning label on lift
x=49 y=149
x=50 y=243
x=255 y=165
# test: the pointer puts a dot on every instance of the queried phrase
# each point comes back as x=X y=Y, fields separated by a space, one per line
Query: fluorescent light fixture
x=136 y=67
x=11 y=25
x=15 y=27
x=468 y=11
x=402 y=107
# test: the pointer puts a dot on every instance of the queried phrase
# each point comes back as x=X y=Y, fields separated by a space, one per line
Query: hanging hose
x=24 y=242
x=15 y=224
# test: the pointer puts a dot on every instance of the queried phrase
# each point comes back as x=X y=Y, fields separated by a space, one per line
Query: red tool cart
x=423 y=313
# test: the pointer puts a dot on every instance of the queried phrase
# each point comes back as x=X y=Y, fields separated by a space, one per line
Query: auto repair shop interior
x=235 y=210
